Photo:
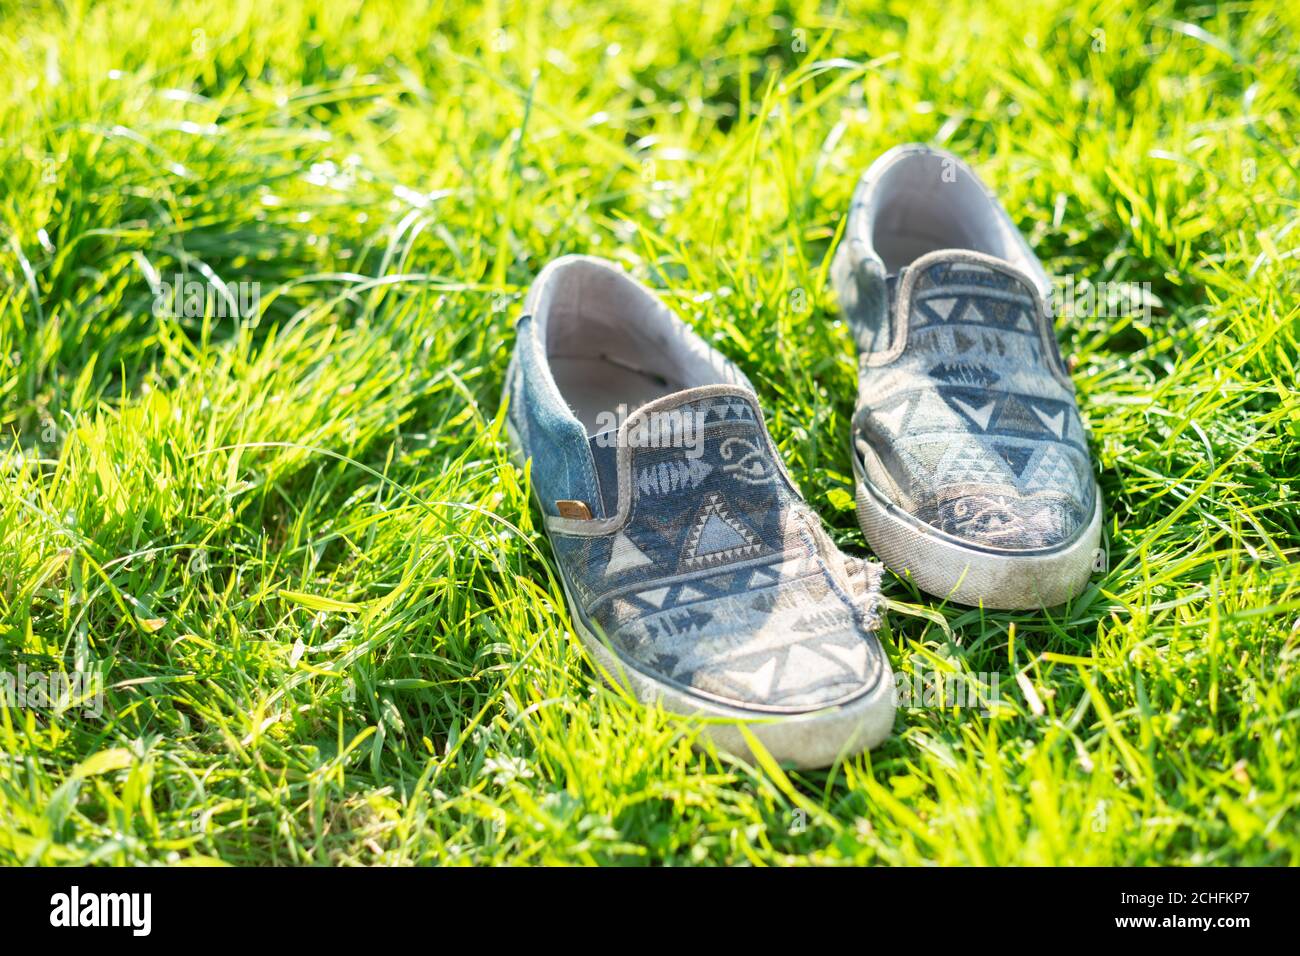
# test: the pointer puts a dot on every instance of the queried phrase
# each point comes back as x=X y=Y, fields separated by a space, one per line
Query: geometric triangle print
x=1053 y=471
x=688 y=594
x=970 y=463
x=980 y=416
x=1015 y=456
x=802 y=667
x=625 y=556
x=1015 y=417
x=941 y=308
x=757 y=683
x=1002 y=314
x=717 y=537
x=762 y=576
x=894 y=420
x=962 y=341
x=654 y=596
x=976 y=405
x=1054 y=423
x=926 y=454
x=724 y=410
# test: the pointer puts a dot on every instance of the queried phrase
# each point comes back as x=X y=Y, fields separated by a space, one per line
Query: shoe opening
x=926 y=200
x=611 y=343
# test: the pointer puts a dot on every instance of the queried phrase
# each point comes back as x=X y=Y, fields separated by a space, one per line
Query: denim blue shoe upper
x=562 y=466
x=700 y=566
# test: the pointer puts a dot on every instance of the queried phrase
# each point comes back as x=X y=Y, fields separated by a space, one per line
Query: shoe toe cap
x=1008 y=520
x=792 y=647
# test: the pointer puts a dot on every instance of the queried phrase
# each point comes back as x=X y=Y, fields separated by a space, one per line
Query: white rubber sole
x=805 y=741
x=946 y=569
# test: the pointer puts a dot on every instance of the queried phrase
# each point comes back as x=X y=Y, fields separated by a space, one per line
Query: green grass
x=323 y=609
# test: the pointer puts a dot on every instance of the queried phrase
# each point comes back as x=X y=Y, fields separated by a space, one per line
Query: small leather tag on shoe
x=577 y=510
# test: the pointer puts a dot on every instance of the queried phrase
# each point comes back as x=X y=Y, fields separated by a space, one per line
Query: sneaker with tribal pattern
x=695 y=573
x=972 y=463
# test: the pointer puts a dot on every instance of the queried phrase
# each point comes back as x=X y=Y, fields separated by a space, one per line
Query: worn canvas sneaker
x=972 y=465
x=695 y=573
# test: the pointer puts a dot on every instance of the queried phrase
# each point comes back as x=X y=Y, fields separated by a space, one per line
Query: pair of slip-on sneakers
x=696 y=574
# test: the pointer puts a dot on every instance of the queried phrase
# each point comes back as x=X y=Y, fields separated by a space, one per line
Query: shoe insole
x=901 y=249
x=594 y=388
